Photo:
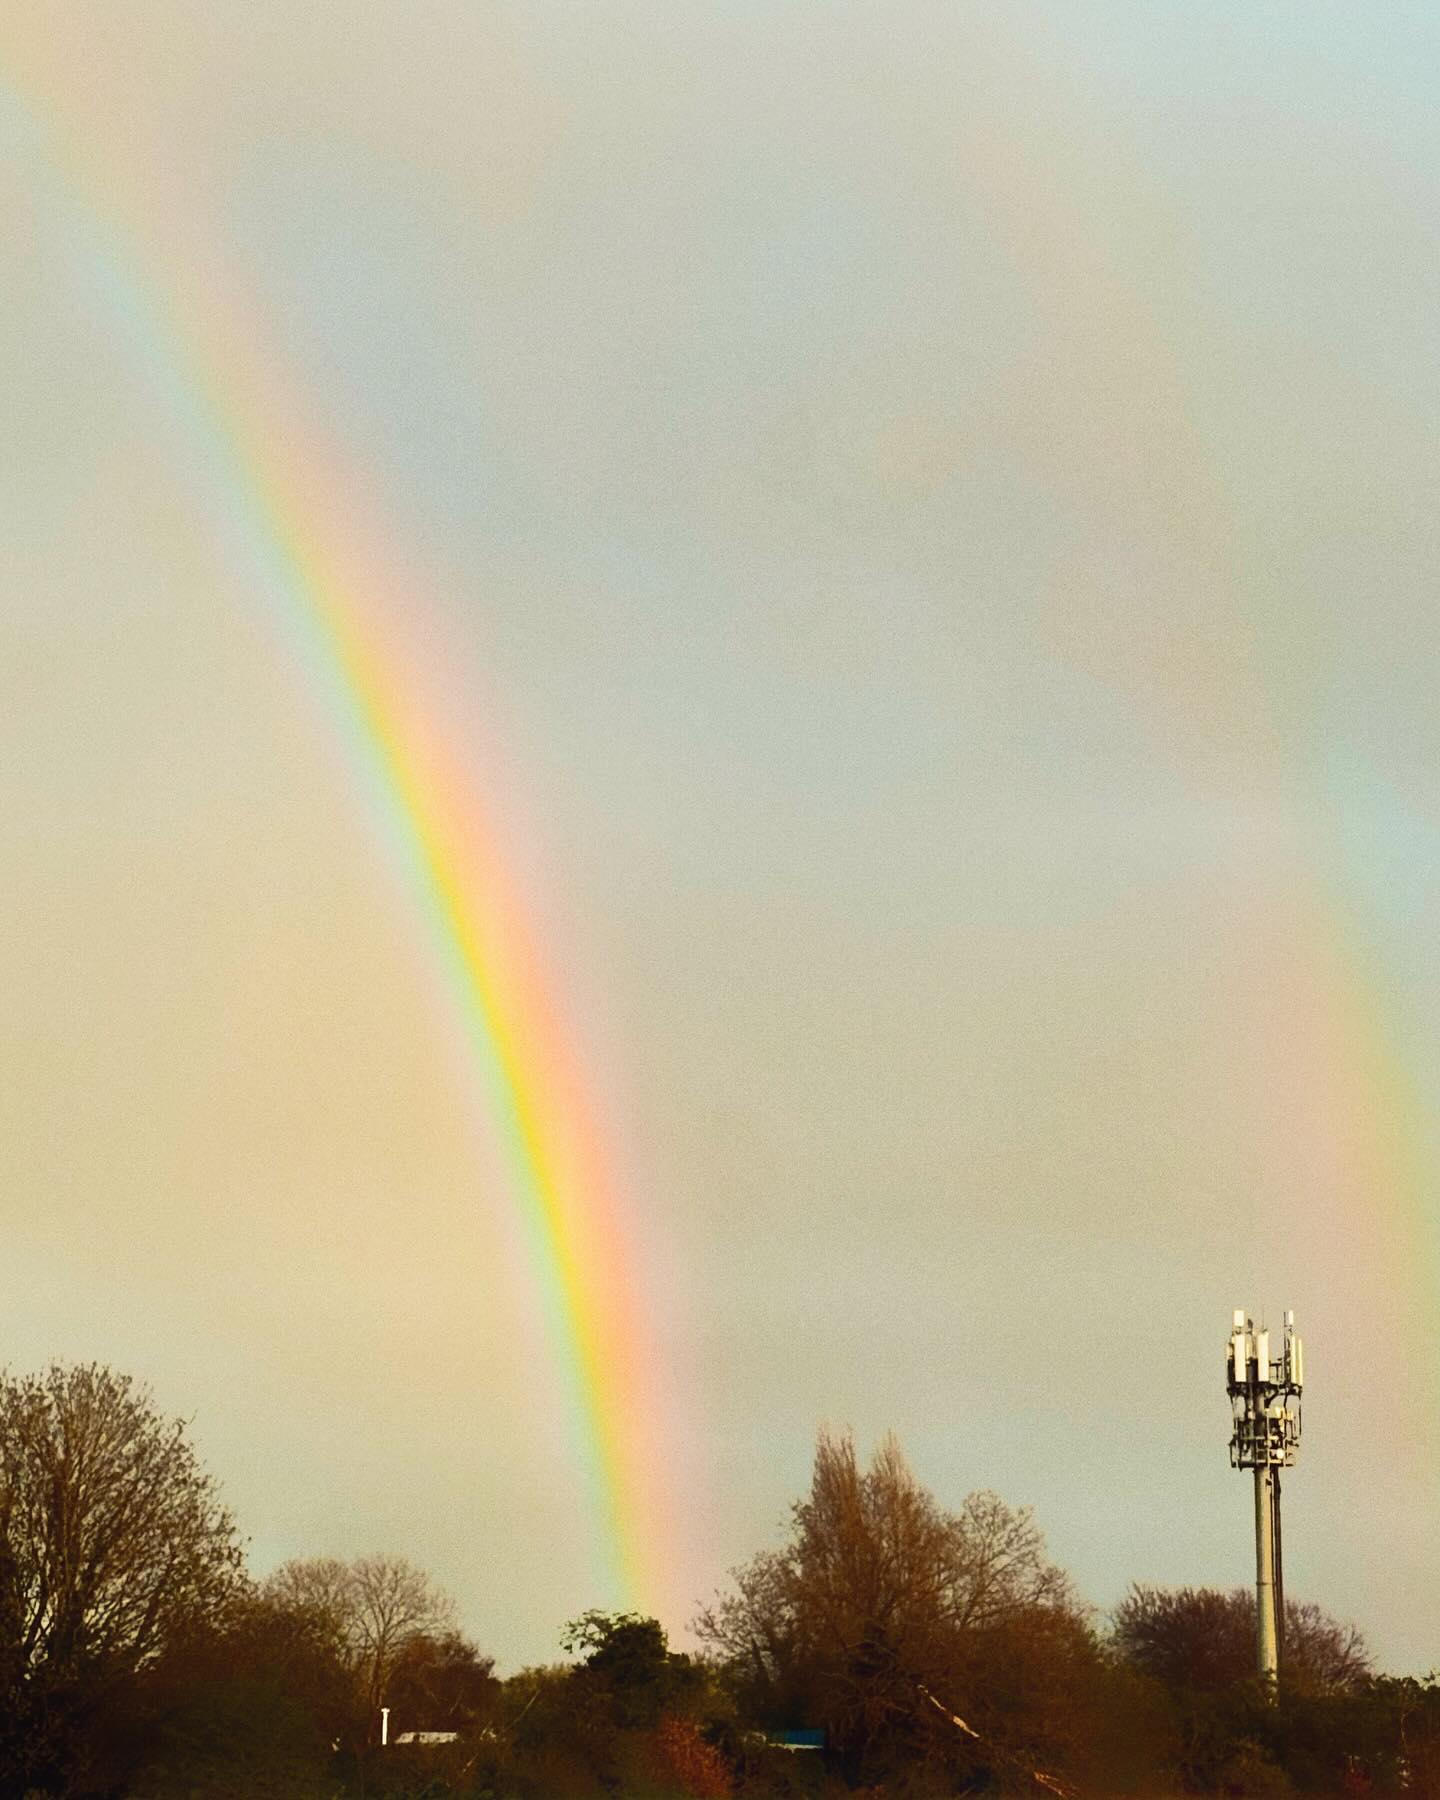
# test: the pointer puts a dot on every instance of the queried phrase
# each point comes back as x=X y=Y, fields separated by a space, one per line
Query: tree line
x=913 y=1650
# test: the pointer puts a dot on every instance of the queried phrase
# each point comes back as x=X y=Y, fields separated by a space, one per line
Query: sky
x=917 y=521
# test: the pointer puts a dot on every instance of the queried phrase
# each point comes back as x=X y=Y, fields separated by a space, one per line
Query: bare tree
x=373 y=1606
x=321 y=1589
x=394 y=1601
x=996 y=1564
x=113 y=1543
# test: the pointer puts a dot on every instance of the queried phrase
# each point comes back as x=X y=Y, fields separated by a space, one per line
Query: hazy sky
x=922 y=518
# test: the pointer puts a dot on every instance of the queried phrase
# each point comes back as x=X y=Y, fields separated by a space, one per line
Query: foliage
x=941 y=1652
x=244 y=1710
x=684 y=1761
x=875 y=1617
x=630 y=1668
x=1201 y=1638
x=439 y=1681
x=373 y=1609
x=113 y=1545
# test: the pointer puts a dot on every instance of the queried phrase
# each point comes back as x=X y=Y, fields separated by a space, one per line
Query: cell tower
x=1265 y=1405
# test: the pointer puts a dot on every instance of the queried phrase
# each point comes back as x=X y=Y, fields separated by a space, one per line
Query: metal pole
x=1265 y=1414
x=1279 y=1582
x=1265 y=1644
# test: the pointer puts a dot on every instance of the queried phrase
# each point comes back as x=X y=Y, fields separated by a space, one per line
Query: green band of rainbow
x=262 y=485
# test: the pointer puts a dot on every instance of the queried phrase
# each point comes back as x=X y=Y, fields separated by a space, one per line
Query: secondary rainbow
x=266 y=480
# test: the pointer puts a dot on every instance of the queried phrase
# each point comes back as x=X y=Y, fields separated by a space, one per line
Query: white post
x=384 y=1724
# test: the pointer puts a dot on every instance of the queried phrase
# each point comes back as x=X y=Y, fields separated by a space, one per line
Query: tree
x=1204 y=1639
x=393 y=1602
x=631 y=1668
x=439 y=1681
x=559 y=1735
x=320 y=1588
x=113 y=1545
x=876 y=1607
x=631 y=1716
x=249 y=1708
x=374 y=1606
x=682 y=1759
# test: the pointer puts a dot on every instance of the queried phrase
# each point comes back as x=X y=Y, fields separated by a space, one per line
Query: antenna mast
x=1265 y=1408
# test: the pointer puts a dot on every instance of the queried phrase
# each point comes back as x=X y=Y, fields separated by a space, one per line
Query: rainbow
x=262 y=465
x=1345 y=1136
